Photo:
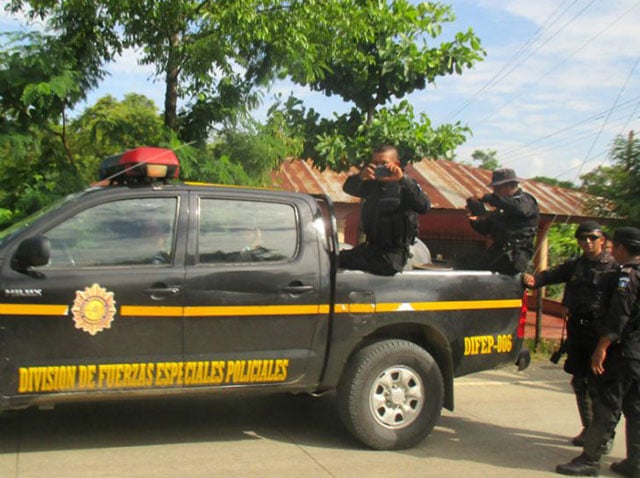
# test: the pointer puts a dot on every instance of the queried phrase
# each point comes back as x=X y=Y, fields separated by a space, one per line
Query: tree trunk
x=171 y=93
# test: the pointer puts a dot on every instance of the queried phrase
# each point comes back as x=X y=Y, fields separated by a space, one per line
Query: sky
x=560 y=80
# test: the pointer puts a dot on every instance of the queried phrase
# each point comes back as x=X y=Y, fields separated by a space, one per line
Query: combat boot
x=625 y=468
x=580 y=466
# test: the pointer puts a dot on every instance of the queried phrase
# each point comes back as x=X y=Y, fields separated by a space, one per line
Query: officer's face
x=591 y=243
x=382 y=159
x=505 y=190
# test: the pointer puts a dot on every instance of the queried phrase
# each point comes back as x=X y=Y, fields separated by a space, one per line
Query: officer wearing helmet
x=616 y=362
x=583 y=299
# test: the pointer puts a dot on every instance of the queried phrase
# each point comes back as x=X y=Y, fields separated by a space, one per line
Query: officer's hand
x=491 y=199
x=368 y=173
x=396 y=173
x=529 y=280
x=597 y=360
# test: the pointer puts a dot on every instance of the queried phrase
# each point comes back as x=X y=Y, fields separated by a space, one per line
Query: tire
x=390 y=395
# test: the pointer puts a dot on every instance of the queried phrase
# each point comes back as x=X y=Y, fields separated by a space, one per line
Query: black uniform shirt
x=621 y=321
x=384 y=207
x=585 y=278
x=512 y=214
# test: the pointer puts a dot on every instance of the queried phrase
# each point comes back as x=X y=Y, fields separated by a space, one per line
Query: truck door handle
x=297 y=288
x=159 y=293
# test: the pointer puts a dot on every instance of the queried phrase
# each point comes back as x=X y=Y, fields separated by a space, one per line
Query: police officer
x=583 y=298
x=512 y=225
x=391 y=203
x=616 y=361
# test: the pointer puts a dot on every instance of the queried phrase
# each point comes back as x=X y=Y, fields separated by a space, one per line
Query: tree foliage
x=380 y=50
x=375 y=54
x=487 y=159
x=619 y=182
x=562 y=247
x=214 y=55
x=555 y=182
x=214 y=58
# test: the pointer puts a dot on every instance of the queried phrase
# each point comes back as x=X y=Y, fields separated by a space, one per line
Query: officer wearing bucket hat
x=616 y=360
x=584 y=300
x=512 y=224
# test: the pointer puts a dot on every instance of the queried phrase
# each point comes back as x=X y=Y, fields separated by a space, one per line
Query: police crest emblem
x=93 y=309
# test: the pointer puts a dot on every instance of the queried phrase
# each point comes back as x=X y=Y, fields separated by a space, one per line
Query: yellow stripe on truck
x=264 y=310
x=428 y=306
x=33 y=309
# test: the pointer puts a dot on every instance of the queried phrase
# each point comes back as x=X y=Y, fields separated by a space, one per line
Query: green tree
x=40 y=79
x=555 y=182
x=209 y=54
x=375 y=54
x=562 y=247
x=213 y=55
x=487 y=159
x=111 y=126
x=381 y=50
x=618 y=183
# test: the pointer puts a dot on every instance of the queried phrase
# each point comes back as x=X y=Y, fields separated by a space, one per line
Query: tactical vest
x=631 y=333
x=584 y=293
x=386 y=221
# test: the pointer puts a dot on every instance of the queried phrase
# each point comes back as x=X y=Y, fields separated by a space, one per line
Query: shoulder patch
x=623 y=282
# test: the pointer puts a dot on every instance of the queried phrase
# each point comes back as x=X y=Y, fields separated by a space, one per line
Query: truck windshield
x=19 y=226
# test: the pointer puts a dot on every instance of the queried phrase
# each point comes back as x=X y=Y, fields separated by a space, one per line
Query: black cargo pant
x=581 y=342
x=613 y=395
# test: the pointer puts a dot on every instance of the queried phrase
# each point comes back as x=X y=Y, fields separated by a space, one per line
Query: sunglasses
x=591 y=237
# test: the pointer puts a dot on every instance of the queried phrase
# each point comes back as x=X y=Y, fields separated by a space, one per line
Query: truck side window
x=245 y=231
x=126 y=232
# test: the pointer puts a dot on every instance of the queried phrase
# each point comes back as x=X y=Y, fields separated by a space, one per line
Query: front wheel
x=390 y=395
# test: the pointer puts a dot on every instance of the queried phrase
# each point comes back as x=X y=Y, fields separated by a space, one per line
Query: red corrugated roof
x=447 y=183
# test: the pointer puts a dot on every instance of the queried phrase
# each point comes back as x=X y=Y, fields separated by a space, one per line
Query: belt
x=582 y=321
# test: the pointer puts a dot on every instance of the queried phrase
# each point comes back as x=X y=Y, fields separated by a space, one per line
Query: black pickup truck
x=146 y=289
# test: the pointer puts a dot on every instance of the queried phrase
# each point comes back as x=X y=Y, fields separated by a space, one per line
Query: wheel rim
x=397 y=397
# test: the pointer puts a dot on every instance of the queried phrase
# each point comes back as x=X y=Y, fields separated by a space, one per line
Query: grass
x=544 y=349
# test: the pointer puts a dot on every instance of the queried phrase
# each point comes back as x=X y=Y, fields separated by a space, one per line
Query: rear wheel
x=390 y=395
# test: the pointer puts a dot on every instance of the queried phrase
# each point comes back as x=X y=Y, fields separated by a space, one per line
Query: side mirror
x=32 y=252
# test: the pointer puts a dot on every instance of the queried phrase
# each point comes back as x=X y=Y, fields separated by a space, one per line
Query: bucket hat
x=503 y=176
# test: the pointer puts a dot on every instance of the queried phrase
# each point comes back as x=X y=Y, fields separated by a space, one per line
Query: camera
x=382 y=172
x=556 y=356
x=561 y=350
x=476 y=207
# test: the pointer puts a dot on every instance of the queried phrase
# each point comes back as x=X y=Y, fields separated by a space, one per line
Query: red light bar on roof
x=140 y=163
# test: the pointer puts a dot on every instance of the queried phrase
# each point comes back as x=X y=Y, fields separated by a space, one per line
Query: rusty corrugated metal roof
x=447 y=183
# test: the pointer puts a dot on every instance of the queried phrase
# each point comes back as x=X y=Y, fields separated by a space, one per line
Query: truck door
x=108 y=305
x=256 y=291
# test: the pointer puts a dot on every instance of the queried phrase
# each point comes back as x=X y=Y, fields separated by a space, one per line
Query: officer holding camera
x=511 y=223
x=391 y=202
x=583 y=298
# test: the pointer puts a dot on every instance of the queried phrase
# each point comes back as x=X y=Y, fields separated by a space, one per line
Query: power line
x=494 y=80
x=496 y=77
x=564 y=59
x=589 y=119
x=624 y=87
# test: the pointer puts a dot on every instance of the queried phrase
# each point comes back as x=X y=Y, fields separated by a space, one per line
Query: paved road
x=506 y=424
